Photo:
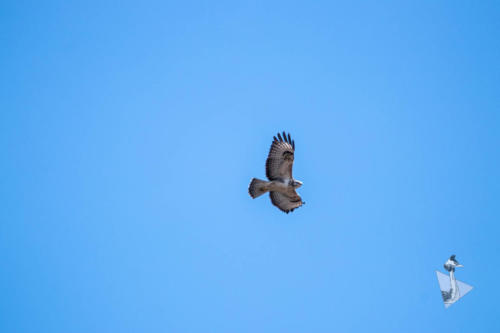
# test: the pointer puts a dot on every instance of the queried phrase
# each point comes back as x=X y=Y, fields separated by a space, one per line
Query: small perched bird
x=281 y=185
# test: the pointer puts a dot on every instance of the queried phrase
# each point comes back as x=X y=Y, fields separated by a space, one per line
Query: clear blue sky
x=129 y=133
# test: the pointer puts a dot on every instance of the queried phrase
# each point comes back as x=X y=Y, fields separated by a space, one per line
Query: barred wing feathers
x=280 y=159
x=284 y=202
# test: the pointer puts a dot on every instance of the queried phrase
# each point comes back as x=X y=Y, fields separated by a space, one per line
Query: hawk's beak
x=460 y=265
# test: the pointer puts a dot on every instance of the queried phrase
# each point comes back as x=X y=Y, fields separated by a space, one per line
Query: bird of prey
x=281 y=185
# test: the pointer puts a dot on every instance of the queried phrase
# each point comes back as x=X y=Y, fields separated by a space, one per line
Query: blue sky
x=130 y=131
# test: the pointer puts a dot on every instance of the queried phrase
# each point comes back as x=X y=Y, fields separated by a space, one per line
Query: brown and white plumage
x=281 y=184
x=279 y=161
x=285 y=202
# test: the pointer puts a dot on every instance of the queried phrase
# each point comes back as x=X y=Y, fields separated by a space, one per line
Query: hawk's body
x=281 y=185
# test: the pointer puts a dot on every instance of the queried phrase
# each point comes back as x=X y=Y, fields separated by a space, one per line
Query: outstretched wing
x=284 y=202
x=280 y=159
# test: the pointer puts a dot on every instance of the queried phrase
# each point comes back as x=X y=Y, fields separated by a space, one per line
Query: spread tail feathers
x=257 y=187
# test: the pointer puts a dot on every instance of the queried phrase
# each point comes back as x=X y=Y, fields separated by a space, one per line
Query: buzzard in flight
x=281 y=185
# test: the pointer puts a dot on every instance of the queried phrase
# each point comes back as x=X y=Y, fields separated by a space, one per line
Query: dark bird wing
x=285 y=202
x=280 y=159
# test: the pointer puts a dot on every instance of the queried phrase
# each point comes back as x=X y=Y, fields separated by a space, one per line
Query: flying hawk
x=281 y=185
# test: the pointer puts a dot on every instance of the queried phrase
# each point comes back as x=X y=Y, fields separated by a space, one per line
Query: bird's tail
x=257 y=187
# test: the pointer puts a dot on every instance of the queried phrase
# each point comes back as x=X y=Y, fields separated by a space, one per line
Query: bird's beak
x=460 y=265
